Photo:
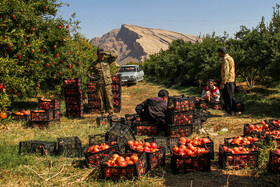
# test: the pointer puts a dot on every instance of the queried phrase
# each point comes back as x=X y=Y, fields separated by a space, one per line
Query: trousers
x=228 y=96
x=105 y=98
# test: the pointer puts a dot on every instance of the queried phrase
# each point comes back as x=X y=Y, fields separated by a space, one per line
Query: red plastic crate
x=131 y=171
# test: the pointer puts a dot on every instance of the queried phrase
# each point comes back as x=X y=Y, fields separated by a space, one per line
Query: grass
x=33 y=170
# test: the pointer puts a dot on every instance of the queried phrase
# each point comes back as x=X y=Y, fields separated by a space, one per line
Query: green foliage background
x=38 y=49
x=256 y=54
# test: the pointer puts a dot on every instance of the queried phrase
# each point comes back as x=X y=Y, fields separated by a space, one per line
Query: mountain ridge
x=134 y=43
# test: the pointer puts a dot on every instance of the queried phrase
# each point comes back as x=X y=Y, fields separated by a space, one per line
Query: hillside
x=135 y=43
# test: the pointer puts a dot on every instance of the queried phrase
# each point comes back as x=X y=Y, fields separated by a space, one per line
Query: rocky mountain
x=134 y=43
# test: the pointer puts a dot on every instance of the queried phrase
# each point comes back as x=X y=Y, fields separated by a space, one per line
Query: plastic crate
x=201 y=104
x=274 y=162
x=72 y=82
x=73 y=91
x=275 y=123
x=272 y=139
x=43 y=124
x=91 y=87
x=94 y=103
x=131 y=118
x=94 y=110
x=74 y=107
x=255 y=133
x=116 y=95
x=144 y=128
x=20 y=116
x=42 y=115
x=56 y=114
x=184 y=164
x=46 y=104
x=92 y=96
x=209 y=145
x=154 y=159
x=94 y=159
x=103 y=121
x=179 y=118
x=116 y=79
x=228 y=160
x=226 y=142
x=131 y=171
x=73 y=99
x=120 y=133
x=97 y=138
x=116 y=87
x=74 y=114
x=166 y=142
x=69 y=146
x=39 y=147
x=117 y=104
x=180 y=103
x=179 y=130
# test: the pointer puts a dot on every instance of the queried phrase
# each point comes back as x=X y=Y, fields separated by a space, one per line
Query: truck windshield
x=127 y=69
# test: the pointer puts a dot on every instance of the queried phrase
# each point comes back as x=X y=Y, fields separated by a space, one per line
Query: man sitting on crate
x=211 y=92
x=154 y=109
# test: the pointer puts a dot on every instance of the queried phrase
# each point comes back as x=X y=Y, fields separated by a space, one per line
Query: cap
x=222 y=49
x=100 y=50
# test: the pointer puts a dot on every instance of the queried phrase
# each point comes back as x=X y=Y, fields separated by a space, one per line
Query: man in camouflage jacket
x=99 y=71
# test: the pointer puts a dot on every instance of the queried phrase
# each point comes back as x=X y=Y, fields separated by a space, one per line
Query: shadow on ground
x=216 y=177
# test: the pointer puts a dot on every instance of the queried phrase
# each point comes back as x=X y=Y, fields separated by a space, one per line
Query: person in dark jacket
x=154 y=109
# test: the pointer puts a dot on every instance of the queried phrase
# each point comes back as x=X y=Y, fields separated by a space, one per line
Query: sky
x=193 y=17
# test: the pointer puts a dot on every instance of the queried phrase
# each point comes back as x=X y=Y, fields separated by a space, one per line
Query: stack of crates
x=73 y=97
x=116 y=92
x=53 y=105
x=93 y=100
x=180 y=116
